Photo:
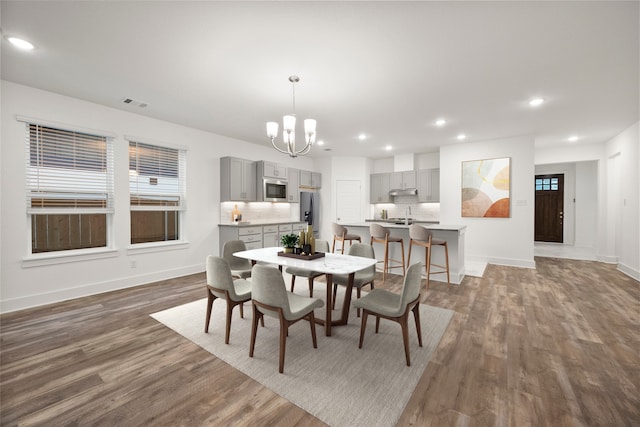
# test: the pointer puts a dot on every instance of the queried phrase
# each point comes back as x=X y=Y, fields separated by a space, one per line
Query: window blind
x=156 y=177
x=68 y=171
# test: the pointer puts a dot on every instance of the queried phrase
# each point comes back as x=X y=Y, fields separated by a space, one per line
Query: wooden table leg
x=328 y=305
x=344 y=319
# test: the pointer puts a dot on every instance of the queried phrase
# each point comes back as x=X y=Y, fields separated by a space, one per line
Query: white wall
x=22 y=286
x=586 y=205
x=507 y=241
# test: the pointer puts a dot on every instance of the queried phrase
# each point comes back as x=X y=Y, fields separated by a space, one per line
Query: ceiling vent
x=134 y=102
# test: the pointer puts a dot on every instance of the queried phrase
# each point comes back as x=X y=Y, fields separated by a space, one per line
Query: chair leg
x=210 y=298
x=284 y=330
x=227 y=331
x=312 y=324
x=377 y=324
x=409 y=256
x=405 y=337
x=333 y=247
x=446 y=258
x=363 y=326
x=404 y=269
x=386 y=261
x=310 y=287
x=358 y=293
x=416 y=316
x=427 y=256
x=241 y=310
x=254 y=329
x=293 y=282
x=335 y=293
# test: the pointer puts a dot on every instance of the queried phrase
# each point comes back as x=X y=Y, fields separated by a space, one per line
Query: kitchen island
x=452 y=234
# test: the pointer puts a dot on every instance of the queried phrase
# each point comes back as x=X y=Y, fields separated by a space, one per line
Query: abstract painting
x=485 y=188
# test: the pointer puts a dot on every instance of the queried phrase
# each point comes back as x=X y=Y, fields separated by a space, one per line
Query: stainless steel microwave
x=274 y=190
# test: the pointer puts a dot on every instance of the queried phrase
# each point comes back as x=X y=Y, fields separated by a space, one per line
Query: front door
x=549 y=208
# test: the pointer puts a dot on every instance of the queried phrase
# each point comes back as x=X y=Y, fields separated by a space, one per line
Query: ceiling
x=385 y=69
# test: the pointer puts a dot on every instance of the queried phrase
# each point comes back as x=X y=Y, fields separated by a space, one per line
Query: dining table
x=329 y=264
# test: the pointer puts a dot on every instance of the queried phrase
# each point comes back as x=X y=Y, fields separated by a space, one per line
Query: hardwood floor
x=557 y=346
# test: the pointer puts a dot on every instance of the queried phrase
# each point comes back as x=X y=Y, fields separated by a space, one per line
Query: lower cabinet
x=258 y=236
x=270 y=237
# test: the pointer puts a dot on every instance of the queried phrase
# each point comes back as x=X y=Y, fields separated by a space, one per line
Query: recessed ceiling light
x=362 y=137
x=461 y=137
x=320 y=142
x=441 y=122
x=20 y=43
x=536 y=102
x=573 y=138
x=388 y=148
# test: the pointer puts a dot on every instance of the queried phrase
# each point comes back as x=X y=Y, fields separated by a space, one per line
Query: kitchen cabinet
x=271 y=170
x=237 y=180
x=270 y=237
x=403 y=180
x=284 y=229
x=310 y=179
x=380 y=184
x=428 y=185
x=258 y=236
x=293 y=188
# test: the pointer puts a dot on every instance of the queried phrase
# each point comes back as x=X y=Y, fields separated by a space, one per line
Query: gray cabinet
x=237 y=180
x=310 y=179
x=403 y=180
x=271 y=170
x=380 y=184
x=428 y=185
x=294 y=185
x=270 y=237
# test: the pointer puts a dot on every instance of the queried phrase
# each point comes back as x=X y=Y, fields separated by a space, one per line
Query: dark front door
x=549 y=208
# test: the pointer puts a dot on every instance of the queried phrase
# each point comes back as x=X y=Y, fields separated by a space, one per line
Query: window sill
x=145 y=248
x=63 y=257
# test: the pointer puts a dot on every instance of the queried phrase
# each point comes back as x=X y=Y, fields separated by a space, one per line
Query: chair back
x=219 y=276
x=235 y=263
x=378 y=231
x=418 y=232
x=365 y=251
x=411 y=285
x=267 y=287
x=338 y=230
x=322 y=246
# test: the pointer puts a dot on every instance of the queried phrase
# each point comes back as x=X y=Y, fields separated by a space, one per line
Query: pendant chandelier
x=288 y=130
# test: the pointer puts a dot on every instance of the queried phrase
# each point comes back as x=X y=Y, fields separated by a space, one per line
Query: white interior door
x=348 y=201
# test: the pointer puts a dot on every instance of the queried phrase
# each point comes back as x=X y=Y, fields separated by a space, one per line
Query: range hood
x=404 y=192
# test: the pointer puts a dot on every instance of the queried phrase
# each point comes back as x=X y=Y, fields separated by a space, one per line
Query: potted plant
x=289 y=241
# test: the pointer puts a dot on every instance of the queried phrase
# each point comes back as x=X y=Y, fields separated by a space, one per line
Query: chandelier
x=288 y=130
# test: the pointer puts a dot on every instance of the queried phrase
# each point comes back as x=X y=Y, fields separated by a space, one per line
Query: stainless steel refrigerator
x=310 y=210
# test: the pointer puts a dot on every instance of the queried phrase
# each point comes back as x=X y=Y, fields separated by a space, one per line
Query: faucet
x=407 y=212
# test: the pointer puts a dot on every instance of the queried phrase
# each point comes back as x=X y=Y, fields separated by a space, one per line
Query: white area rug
x=337 y=382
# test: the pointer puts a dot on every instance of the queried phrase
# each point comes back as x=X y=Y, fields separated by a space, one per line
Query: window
x=546 y=184
x=157 y=192
x=69 y=188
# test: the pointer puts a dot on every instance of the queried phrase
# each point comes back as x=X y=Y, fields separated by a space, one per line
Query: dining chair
x=220 y=284
x=419 y=235
x=396 y=307
x=381 y=234
x=271 y=298
x=341 y=234
x=240 y=268
x=361 y=278
x=321 y=246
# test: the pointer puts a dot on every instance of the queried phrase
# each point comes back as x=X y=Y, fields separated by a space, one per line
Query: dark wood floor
x=555 y=346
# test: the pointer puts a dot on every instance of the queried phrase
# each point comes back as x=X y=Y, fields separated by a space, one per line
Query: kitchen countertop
x=259 y=222
x=429 y=226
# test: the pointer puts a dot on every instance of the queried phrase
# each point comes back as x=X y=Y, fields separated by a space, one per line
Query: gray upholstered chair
x=422 y=237
x=388 y=305
x=220 y=284
x=362 y=277
x=341 y=234
x=381 y=234
x=270 y=297
x=321 y=246
x=240 y=267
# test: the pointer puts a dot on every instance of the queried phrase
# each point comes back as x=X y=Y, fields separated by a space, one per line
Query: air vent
x=134 y=102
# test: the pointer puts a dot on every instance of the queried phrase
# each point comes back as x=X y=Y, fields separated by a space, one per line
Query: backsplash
x=420 y=211
x=260 y=211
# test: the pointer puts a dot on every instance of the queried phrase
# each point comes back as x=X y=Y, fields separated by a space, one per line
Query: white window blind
x=68 y=172
x=156 y=177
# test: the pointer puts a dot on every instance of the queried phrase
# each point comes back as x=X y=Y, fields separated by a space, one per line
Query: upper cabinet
x=294 y=184
x=237 y=180
x=310 y=179
x=428 y=185
x=271 y=170
x=380 y=186
x=402 y=180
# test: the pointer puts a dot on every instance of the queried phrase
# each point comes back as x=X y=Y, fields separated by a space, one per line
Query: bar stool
x=422 y=237
x=341 y=234
x=380 y=234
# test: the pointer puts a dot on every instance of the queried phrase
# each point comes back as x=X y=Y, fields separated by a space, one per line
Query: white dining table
x=329 y=264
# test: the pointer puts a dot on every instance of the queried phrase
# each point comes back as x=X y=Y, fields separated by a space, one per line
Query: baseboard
x=609 y=259
x=509 y=262
x=631 y=272
x=59 y=295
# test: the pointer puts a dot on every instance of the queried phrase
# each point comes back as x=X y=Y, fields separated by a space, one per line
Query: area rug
x=337 y=382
